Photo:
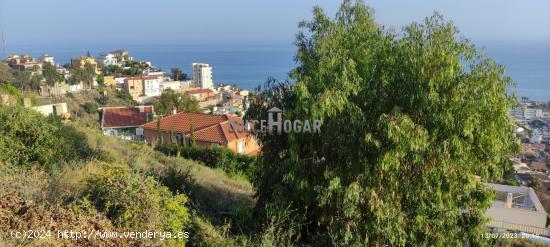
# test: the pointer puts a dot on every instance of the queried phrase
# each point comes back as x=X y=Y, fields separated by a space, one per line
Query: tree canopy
x=177 y=74
x=170 y=100
x=86 y=75
x=49 y=71
x=409 y=119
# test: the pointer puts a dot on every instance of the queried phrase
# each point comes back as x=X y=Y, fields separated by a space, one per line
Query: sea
x=249 y=66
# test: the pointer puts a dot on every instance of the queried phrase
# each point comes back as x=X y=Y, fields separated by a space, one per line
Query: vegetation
x=215 y=157
x=90 y=107
x=49 y=71
x=130 y=68
x=178 y=75
x=409 y=119
x=140 y=202
x=28 y=139
x=86 y=75
x=27 y=80
x=170 y=100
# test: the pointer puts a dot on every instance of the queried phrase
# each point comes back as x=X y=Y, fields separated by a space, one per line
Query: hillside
x=74 y=187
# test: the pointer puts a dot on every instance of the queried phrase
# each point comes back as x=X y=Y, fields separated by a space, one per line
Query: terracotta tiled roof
x=116 y=117
x=200 y=90
x=209 y=128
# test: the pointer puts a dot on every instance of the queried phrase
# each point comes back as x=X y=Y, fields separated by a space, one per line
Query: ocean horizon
x=250 y=66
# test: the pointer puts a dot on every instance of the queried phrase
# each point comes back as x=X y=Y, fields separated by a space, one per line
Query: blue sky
x=246 y=21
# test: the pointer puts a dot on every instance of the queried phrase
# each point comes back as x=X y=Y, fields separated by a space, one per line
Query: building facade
x=134 y=86
x=82 y=61
x=151 y=86
x=202 y=75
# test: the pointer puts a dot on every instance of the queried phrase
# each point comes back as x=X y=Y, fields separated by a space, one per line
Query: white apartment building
x=107 y=59
x=532 y=113
x=173 y=85
x=151 y=86
x=48 y=59
x=202 y=75
x=119 y=81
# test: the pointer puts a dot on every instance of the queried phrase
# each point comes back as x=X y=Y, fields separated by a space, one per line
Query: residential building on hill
x=208 y=130
x=205 y=96
x=125 y=122
x=46 y=58
x=202 y=75
x=109 y=81
x=134 y=86
x=83 y=60
x=121 y=56
x=107 y=59
x=173 y=85
x=151 y=86
x=58 y=109
x=25 y=63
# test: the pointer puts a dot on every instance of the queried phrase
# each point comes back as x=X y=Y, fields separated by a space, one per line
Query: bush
x=215 y=157
x=511 y=181
x=90 y=107
x=136 y=202
x=124 y=95
x=29 y=138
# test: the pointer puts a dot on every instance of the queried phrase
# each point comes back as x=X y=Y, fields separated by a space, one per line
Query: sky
x=41 y=22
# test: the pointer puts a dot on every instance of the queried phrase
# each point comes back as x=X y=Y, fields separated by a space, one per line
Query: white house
x=119 y=81
x=48 y=59
x=151 y=86
x=107 y=59
x=174 y=85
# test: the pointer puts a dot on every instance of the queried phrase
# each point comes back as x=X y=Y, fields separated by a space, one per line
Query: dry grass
x=212 y=189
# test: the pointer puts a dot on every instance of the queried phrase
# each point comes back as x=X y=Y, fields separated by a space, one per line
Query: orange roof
x=200 y=90
x=208 y=128
x=117 y=117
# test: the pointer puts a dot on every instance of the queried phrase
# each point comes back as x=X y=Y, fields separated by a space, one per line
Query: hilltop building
x=46 y=58
x=134 y=86
x=25 y=63
x=117 y=58
x=83 y=60
x=143 y=86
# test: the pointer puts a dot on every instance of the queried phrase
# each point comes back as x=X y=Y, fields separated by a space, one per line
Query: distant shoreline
x=250 y=66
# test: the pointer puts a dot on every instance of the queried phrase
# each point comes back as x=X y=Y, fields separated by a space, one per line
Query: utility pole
x=4 y=45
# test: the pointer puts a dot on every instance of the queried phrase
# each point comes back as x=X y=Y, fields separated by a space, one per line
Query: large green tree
x=86 y=75
x=171 y=99
x=177 y=74
x=409 y=119
x=49 y=71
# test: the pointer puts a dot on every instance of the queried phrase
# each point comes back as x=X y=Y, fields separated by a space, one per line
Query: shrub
x=29 y=138
x=90 y=107
x=124 y=95
x=215 y=157
x=136 y=202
